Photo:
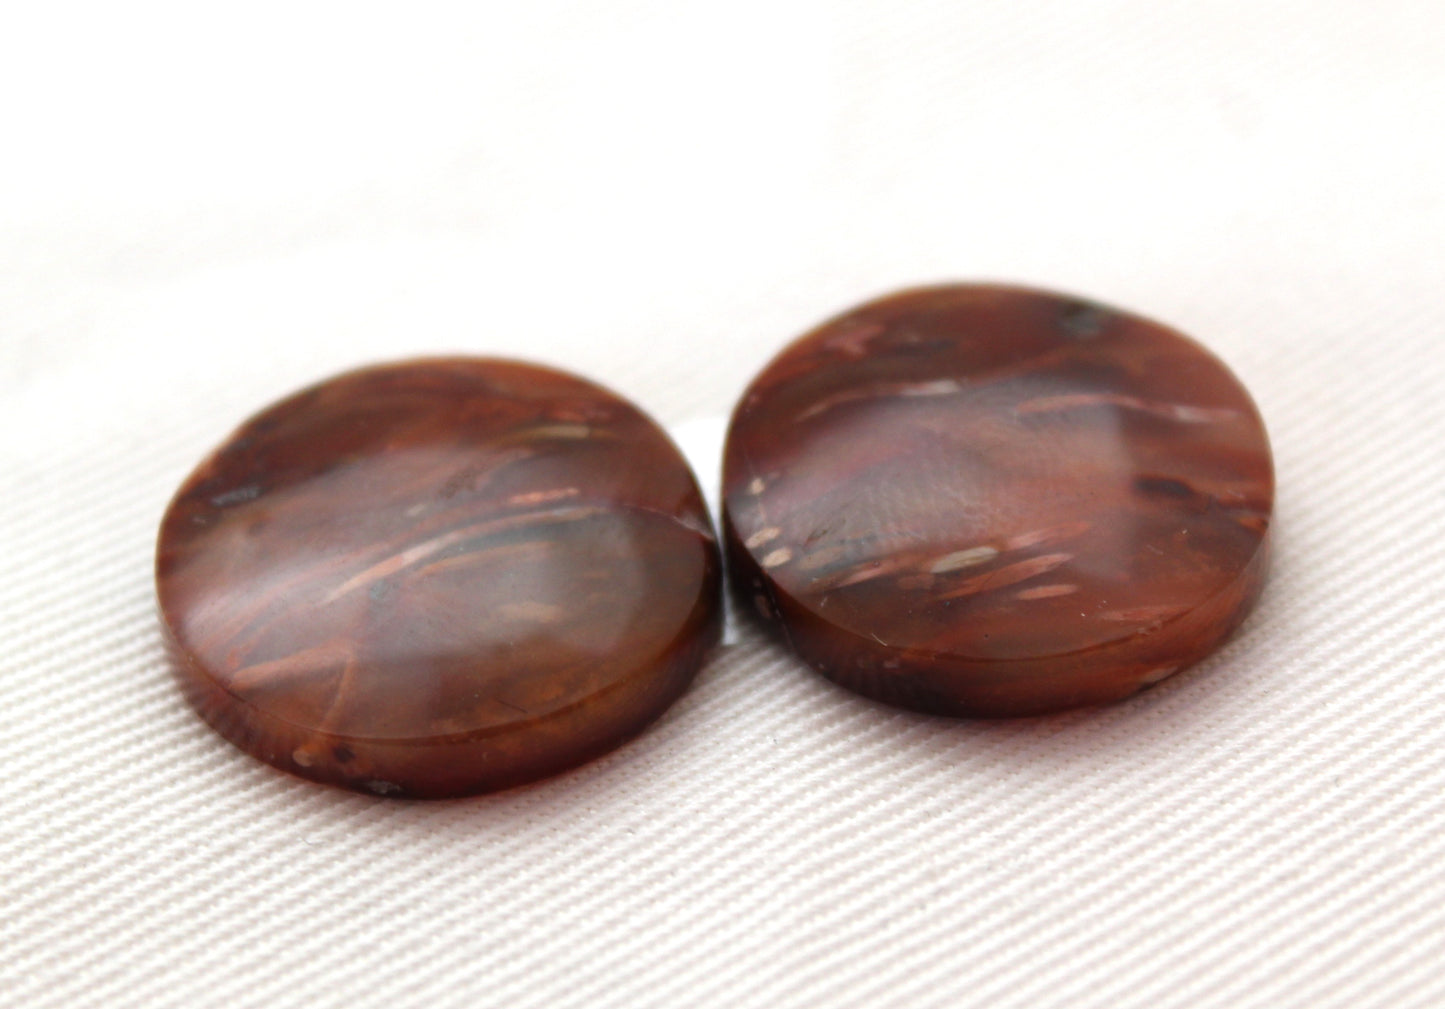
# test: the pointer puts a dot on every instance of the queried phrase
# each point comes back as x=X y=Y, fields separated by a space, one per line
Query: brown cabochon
x=438 y=578
x=986 y=500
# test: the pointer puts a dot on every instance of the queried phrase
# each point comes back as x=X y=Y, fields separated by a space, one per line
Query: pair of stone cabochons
x=452 y=576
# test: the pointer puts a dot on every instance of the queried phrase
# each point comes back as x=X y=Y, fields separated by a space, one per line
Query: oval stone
x=439 y=578
x=991 y=501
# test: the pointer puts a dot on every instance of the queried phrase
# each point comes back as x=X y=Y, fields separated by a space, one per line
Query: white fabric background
x=203 y=207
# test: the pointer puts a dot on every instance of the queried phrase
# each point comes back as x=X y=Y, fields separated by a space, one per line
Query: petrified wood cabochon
x=984 y=500
x=438 y=578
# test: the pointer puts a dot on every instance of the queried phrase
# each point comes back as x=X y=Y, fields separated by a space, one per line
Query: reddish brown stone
x=989 y=501
x=439 y=578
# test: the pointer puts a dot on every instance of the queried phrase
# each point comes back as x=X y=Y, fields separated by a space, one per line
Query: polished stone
x=439 y=578
x=992 y=501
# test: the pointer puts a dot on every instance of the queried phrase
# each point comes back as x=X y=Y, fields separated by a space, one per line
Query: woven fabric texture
x=201 y=211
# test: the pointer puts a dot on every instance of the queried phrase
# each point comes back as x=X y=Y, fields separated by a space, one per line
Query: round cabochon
x=988 y=501
x=438 y=578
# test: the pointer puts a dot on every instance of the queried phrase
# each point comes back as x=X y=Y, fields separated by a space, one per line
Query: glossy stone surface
x=992 y=501
x=439 y=578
